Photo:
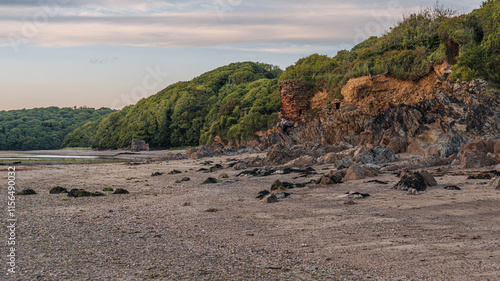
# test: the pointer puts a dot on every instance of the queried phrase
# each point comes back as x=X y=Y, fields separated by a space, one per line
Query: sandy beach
x=167 y=229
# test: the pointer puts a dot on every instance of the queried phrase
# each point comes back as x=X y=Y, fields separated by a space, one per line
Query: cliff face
x=428 y=116
x=295 y=99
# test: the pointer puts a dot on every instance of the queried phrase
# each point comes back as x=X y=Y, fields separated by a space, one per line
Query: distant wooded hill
x=232 y=102
x=43 y=128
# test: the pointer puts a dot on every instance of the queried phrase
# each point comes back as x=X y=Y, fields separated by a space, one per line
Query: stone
x=475 y=153
x=303 y=161
x=326 y=180
x=411 y=180
x=277 y=184
x=473 y=159
x=173 y=172
x=79 y=193
x=428 y=178
x=337 y=175
x=357 y=172
x=452 y=187
x=210 y=180
x=223 y=176
x=495 y=183
x=107 y=189
x=28 y=191
x=378 y=155
x=281 y=194
x=155 y=174
x=185 y=179
x=121 y=191
x=412 y=191
x=211 y=210
x=270 y=198
x=349 y=203
x=58 y=190
x=355 y=195
x=262 y=194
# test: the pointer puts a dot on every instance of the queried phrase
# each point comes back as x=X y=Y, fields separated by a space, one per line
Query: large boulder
x=377 y=155
x=478 y=153
x=357 y=172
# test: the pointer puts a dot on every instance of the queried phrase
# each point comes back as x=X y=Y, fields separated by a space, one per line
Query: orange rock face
x=295 y=99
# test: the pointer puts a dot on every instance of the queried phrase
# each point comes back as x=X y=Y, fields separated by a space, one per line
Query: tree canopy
x=43 y=128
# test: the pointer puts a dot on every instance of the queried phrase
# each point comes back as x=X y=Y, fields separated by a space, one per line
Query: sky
x=112 y=53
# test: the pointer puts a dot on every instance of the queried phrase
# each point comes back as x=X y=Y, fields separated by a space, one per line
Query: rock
x=156 y=174
x=185 y=179
x=28 y=191
x=107 y=189
x=58 y=190
x=378 y=155
x=428 y=178
x=79 y=193
x=223 y=176
x=326 y=180
x=337 y=175
x=452 y=187
x=356 y=172
x=120 y=191
x=411 y=180
x=475 y=153
x=277 y=185
x=394 y=140
x=216 y=167
x=474 y=159
x=349 y=203
x=185 y=204
x=97 y=193
x=281 y=194
x=262 y=194
x=270 y=198
x=303 y=161
x=173 y=172
x=412 y=191
x=377 y=181
x=355 y=195
x=210 y=180
x=211 y=210
x=495 y=183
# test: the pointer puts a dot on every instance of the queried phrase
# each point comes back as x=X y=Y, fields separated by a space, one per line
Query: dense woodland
x=234 y=102
x=43 y=128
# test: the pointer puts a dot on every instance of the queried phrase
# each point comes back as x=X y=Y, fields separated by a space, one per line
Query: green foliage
x=409 y=50
x=476 y=36
x=42 y=128
x=232 y=102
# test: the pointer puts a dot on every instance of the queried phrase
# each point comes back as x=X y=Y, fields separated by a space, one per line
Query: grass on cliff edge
x=409 y=50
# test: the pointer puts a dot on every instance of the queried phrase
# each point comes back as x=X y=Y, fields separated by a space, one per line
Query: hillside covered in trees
x=43 y=128
x=236 y=101
x=232 y=102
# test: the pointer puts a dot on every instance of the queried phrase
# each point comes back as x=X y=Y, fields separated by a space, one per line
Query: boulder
x=411 y=181
x=377 y=155
x=337 y=175
x=428 y=178
x=210 y=180
x=474 y=159
x=28 y=191
x=357 y=172
x=477 y=153
x=303 y=161
x=58 y=190
x=270 y=198
x=121 y=191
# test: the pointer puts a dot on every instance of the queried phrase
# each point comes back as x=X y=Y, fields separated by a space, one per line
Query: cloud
x=209 y=23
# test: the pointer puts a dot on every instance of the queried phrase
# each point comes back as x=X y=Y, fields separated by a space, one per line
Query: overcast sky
x=111 y=53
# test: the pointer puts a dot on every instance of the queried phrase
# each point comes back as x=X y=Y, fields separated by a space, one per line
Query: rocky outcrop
x=295 y=99
x=480 y=152
x=436 y=121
